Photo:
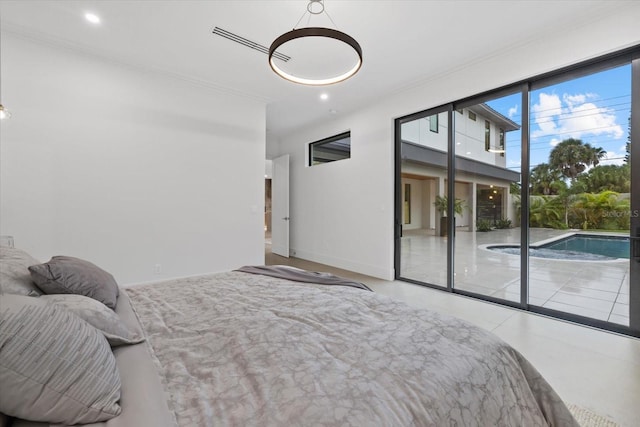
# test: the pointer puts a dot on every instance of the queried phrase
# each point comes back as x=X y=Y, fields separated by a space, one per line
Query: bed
x=253 y=348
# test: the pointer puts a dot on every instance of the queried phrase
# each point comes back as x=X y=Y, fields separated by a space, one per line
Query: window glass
x=330 y=149
x=433 y=123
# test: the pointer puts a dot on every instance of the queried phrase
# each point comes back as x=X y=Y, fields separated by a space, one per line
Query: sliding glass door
x=529 y=195
x=580 y=194
x=488 y=137
x=422 y=232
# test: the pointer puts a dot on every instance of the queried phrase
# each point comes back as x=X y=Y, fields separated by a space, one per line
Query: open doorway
x=267 y=204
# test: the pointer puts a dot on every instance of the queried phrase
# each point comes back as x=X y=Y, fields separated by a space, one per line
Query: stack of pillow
x=57 y=328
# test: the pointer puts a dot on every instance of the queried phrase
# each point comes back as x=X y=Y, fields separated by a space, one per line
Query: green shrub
x=503 y=223
x=483 y=225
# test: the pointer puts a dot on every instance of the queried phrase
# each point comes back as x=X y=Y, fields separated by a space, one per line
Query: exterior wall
x=145 y=175
x=418 y=132
x=470 y=141
x=469 y=136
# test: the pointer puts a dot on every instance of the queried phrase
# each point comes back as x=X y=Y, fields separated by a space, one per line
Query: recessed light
x=92 y=17
x=324 y=96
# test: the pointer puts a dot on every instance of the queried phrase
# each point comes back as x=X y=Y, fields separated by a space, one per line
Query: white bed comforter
x=238 y=349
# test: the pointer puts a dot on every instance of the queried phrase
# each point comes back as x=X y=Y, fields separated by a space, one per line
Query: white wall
x=342 y=212
x=128 y=168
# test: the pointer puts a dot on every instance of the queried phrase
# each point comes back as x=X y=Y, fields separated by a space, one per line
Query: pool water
x=609 y=246
x=579 y=247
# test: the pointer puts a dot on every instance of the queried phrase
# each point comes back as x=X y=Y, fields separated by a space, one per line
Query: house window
x=472 y=116
x=487 y=135
x=433 y=123
x=330 y=149
x=501 y=142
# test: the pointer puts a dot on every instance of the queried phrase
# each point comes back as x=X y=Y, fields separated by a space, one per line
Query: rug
x=587 y=418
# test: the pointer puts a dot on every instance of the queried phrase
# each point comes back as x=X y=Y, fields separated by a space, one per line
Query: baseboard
x=356 y=267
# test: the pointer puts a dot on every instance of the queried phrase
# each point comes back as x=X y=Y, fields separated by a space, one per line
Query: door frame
x=280 y=219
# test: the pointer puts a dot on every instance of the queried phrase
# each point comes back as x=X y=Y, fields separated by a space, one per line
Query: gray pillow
x=99 y=316
x=14 y=272
x=68 y=275
x=58 y=368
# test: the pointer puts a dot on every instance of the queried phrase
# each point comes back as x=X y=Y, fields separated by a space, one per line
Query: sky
x=595 y=109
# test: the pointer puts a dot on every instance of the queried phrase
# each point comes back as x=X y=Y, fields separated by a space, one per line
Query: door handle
x=286 y=218
x=635 y=247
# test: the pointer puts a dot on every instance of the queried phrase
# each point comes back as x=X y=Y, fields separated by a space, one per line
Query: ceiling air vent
x=248 y=43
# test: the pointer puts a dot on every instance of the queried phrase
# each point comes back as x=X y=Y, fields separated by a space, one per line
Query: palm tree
x=595 y=154
x=545 y=180
x=572 y=157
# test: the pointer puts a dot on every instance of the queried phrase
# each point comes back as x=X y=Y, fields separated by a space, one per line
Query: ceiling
x=404 y=43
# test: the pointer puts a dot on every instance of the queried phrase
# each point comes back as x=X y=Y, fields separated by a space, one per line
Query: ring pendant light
x=315 y=32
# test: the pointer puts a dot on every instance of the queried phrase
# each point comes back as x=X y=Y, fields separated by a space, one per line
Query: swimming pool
x=577 y=247
x=609 y=246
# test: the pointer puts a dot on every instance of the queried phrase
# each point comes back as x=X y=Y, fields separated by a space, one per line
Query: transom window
x=330 y=149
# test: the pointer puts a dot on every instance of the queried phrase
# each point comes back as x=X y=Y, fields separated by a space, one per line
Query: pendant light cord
x=324 y=10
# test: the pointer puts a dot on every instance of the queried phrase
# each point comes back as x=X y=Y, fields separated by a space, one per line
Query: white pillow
x=99 y=316
x=14 y=272
x=57 y=367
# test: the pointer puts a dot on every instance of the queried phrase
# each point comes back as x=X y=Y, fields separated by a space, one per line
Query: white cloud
x=554 y=142
x=513 y=111
x=613 y=158
x=545 y=112
x=573 y=116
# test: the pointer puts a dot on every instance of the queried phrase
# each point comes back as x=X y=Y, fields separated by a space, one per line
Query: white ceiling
x=403 y=42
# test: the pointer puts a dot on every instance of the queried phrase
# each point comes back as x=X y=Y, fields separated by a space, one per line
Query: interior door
x=280 y=207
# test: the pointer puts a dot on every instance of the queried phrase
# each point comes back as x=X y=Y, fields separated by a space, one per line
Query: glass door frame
x=523 y=89
x=634 y=268
x=626 y=56
x=398 y=217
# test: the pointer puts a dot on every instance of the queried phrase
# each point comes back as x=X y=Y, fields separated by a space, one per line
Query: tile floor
x=599 y=290
x=591 y=368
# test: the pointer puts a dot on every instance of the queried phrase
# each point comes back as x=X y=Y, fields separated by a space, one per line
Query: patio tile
x=586 y=288
x=545 y=284
x=620 y=320
x=582 y=301
x=582 y=311
x=509 y=296
x=602 y=285
x=534 y=291
x=623 y=298
x=620 y=309
x=483 y=290
x=589 y=293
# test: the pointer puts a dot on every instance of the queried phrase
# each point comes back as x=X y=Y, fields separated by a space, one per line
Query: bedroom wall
x=146 y=175
x=342 y=212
